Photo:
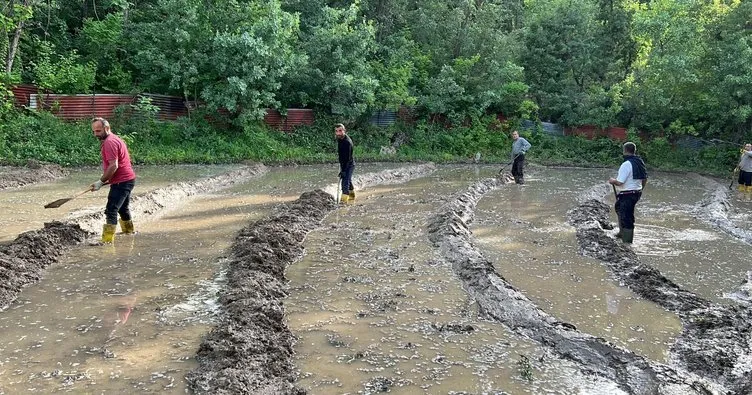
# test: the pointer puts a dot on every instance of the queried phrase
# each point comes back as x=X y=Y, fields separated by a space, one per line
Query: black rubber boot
x=627 y=235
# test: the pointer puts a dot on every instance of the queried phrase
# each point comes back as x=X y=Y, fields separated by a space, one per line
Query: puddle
x=376 y=308
x=117 y=318
x=23 y=208
x=524 y=232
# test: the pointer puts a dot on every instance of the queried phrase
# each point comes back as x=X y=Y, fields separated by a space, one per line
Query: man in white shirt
x=632 y=178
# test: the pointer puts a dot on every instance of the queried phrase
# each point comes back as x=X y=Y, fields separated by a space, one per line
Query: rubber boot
x=127 y=227
x=749 y=189
x=108 y=233
x=627 y=235
x=352 y=194
x=345 y=198
x=742 y=188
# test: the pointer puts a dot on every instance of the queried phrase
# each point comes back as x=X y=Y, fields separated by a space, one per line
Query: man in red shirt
x=119 y=174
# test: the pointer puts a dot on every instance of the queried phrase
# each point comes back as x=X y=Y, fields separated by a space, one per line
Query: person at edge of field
x=745 y=169
x=632 y=178
x=346 y=162
x=520 y=146
x=119 y=174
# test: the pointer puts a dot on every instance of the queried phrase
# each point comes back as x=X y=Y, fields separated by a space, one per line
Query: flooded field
x=373 y=304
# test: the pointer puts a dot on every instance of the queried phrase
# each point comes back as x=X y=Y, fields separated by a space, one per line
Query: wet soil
x=23 y=261
x=33 y=172
x=716 y=340
x=250 y=350
x=500 y=301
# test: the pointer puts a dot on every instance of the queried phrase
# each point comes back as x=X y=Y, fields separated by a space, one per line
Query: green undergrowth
x=41 y=136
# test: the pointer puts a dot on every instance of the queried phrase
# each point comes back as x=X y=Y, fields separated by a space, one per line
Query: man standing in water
x=632 y=178
x=745 y=169
x=346 y=162
x=119 y=174
x=519 y=147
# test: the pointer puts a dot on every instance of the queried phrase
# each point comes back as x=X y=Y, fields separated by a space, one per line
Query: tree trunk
x=13 y=47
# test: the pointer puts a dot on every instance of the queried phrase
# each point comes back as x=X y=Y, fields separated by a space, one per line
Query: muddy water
x=693 y=254
x=376 y=309
x=523 y=231
x=23 y=208
x=129 y=317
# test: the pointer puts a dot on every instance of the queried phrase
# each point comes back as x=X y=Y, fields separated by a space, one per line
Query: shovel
x=733 y=176
x=60 y=202
x=339 y=189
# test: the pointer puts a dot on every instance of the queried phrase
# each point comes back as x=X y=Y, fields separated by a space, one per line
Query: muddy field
x=438 y=279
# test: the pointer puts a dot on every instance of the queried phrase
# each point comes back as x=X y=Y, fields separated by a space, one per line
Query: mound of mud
x=500 y=301
x=34 y=172
x=250 y=349
x=23 y=260
x=716 y=341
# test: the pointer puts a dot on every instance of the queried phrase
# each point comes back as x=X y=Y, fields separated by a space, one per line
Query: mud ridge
x=24 y=259
x=716 y=340
x=501 y=302
x=250 y=350
x=714 y=210
x=34 y=172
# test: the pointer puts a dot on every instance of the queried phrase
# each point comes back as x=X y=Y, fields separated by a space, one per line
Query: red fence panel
x=21 y=94
x=73 y=107
x=593 y=131
x=295 y=117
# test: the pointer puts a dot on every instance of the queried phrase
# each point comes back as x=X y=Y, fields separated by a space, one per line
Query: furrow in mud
x=33 y=173
x=23 y=260
x=250 y=350
x=714 y=210
x=502 y=302
x=716 y=341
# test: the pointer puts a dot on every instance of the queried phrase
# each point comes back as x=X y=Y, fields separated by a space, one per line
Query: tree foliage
x=664 y=66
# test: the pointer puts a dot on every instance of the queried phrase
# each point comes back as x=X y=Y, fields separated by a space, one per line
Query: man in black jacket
x=346 y=162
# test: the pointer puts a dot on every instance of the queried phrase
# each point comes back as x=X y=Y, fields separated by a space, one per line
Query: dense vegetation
x=664 y=67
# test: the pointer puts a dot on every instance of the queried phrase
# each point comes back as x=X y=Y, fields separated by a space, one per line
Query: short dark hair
x=630 y=147
x=339 y=125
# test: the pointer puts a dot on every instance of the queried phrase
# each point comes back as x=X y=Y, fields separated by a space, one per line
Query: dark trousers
x=625 y=207
x=118 y=202
x=347 y=174
x=745 y=178
x=517 y=165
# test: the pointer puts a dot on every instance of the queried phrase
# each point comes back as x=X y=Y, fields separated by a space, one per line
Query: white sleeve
x=625 y=171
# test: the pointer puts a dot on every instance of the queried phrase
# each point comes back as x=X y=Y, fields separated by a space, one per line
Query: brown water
x=129 y=317
x=23 y=208
x=375 y=307
x=373 y=303
x=523 y=231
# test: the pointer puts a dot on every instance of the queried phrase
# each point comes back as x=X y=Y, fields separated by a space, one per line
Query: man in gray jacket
x=519 y=147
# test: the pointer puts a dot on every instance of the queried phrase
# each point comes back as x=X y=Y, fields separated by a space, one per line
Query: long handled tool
x=733 y=175
x=60 y=202
x=505 y=166
x=616 y=196
x=339 y=189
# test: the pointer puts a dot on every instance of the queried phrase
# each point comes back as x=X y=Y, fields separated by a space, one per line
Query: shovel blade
x=57 y=203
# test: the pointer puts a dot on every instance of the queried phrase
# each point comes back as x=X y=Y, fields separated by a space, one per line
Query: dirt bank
x=34 y=172
x=500 y=301
x=250 y=350
x=716 y=341
x=22 y=261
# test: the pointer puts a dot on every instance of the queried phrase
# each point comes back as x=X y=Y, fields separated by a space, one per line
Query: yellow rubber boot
x=108 y=233
x=742 y=188
x=749 y=189
x=352 y=194
x=344 y=198
x=127 y=227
